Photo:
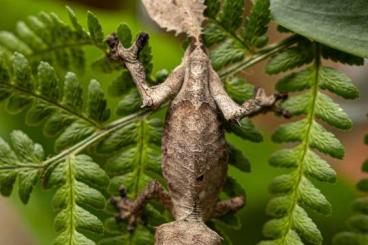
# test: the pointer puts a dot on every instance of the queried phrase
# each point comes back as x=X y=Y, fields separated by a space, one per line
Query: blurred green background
x=36 y=218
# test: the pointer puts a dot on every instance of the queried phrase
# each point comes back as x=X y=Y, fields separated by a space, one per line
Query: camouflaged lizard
x=194 y=150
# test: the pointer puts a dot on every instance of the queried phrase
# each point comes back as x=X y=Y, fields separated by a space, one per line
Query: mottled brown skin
x=194 y=149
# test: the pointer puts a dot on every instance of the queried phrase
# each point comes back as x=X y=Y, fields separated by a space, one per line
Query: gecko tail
x=183 y=232
x=178 y=15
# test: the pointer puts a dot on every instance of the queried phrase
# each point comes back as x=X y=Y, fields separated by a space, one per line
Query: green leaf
x=288 y=59
x=245 y=130
x=238 y=160
x=337 y=82
x=256 y=25
x=311 y=197
x=239 y=89
x=125 y=35
x=21 y=161
x=332 y=113
x=45 y=37
x=231 y=14
x=213 y=6
x=342 y=57
x=130 y=102
x=95 y=30
x=97 y=104
x=294 y=191
x=59 y=104
x=78 y=193
x=338 y=24
x=226 y=53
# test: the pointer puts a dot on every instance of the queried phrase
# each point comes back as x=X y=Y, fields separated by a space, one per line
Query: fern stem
x=54 y=103
x=92 y=139
x=20 y=166
x=305 y=143
x=258 y=57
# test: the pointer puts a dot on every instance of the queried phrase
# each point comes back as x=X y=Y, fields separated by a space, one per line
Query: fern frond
x=59 y=104
x=232 y=35
x=46 y=37
x=357 y=233
x=80 y=186
x=295 y=191
x=23 y=161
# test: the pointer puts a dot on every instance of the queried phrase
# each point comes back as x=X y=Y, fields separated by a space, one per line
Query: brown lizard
x=193 y=146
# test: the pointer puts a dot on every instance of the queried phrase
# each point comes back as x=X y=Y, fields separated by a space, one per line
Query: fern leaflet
x=80 y=184
x=23 y=161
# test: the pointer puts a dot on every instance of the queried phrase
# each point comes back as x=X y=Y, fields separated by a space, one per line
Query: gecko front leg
x=152 y=96
x=261 y=103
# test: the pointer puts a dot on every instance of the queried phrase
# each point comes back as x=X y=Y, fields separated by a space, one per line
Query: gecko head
x=183 y=232
x=198 y=63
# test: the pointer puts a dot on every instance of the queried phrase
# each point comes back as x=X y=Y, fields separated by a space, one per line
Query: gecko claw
x=141 y=41
x=122 y=192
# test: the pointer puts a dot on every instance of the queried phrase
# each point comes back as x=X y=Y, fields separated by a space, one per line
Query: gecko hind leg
x=228 y=206
x=132 y=210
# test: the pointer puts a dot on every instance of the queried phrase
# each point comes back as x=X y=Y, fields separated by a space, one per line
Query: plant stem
x=95 y=137
x=305 y=143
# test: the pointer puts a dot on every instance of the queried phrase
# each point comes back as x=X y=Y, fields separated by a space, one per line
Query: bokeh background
x=32 y=224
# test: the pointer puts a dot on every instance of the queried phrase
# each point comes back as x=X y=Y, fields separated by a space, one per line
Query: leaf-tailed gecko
x=194 y=150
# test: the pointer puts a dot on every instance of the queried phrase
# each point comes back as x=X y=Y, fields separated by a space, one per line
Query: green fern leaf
x=291 y=57
x=229 y=35
x=294 y=192
x=231 y=14
x=80 y=186
x=340 y=56
x=256 y=25
x=59 y=104
x=23 y=161
x=46 y=37
x=95 y=30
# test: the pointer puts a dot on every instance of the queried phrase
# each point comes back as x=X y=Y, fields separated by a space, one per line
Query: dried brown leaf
x=181 y=16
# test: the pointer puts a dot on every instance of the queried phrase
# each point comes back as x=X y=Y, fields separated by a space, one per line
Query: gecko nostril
x=200 y=178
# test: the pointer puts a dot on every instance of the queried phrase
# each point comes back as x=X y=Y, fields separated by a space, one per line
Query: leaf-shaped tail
x=179 y=16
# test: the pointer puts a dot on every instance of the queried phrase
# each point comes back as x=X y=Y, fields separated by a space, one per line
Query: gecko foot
x=126 y=209
x=132 y=211
x=126 y=55
x=271 y=103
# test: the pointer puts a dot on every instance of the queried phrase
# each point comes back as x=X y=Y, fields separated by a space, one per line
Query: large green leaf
x=339 y=24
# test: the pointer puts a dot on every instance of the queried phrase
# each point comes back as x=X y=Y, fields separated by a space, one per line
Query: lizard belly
x=194 y=158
